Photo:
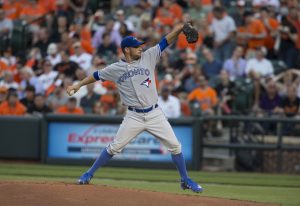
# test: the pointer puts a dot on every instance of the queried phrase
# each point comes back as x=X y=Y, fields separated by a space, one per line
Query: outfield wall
x=20 y=137
x=69 y=139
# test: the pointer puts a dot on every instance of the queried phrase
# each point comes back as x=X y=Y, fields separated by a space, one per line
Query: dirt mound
x=57 y=194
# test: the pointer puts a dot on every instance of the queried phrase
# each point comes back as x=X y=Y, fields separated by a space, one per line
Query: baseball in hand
x=72 y=92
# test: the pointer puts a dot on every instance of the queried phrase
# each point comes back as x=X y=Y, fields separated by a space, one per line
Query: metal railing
x=235 y=141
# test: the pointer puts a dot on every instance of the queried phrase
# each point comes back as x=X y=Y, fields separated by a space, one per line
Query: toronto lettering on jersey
x=133 y=72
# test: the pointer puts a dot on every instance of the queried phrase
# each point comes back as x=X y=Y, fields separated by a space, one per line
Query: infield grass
x=280 y=189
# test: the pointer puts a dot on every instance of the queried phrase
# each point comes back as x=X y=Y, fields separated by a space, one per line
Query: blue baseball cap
x=130 y=41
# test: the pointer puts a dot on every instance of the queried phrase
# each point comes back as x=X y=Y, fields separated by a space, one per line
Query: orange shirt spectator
x=12 y=106
x=85 y=38
x=66 y=110
x=169 y=13
x=12 y=9
x=255 y=27
x=205 y=95
x=49 y=5
x=70 y=107
x=269 y=40
x=176 y=10
x=183 y=44
x=32 y=11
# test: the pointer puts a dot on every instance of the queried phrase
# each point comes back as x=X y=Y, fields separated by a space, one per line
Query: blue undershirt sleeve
x=96 y=75
x=163 y=44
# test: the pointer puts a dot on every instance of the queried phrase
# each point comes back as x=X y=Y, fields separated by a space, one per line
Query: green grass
x=280 y=189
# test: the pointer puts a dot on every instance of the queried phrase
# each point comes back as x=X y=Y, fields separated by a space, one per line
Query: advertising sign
x=86 y=140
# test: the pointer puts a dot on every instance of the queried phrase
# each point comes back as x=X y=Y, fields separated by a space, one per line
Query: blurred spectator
x=87 y=102
x=42 y=41
x=203 y=101
x=114 y=34
x=8 y=81
x=211 y=67
x=169 y=13
x=70 y=107
x=3 y=93
x=77 y=6
x=270 y=101
x=57 y=98
x=184 y=104
x=271 y=25
x=106 y=106
x=226 y=92
x=27 y=101
x=12 y=8
x=48 y=76
x=97 y=21
x=29 y=79
x=60 y=26
x=196 y=10
x=12 y=105
x=8 y=59
x=189 y=67
x=31 y=11
x=287 y=79
x=97 y=64
x=121 y=19
x=254 y=32
x=135 y=17
x=192 y=83
x=204 y=97
x=85 y=43
x=259 y=66
x=107 y=48
x=53 y=54
x=287 y=41
x=82 y=58
x=291 y=103
x=124 y=31
x=66 y=66
x=223 y=28
x=145 y=29
x=6 y=27
x=236 y=65
x=39 y=106
x=238 y=13
x=169 y=104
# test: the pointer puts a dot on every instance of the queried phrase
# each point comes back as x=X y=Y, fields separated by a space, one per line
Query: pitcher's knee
x=175 y=149
x=114 y=149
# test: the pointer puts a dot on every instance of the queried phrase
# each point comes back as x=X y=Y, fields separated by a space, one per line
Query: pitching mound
x=56 y=194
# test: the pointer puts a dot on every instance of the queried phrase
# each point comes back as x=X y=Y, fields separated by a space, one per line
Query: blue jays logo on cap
x=130 y=41
x=146 y=82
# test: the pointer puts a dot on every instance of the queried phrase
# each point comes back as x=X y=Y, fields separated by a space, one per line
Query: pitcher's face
x=135 y=52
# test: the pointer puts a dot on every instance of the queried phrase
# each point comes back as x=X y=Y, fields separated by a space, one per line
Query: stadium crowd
x=246 y=61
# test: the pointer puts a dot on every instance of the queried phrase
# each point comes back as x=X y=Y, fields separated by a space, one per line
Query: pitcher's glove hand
x=190 y=33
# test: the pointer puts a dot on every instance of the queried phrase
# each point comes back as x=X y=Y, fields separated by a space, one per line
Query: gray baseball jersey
x=136 y=84
x=135 y=80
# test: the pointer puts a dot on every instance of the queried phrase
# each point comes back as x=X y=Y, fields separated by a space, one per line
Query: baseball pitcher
x=135 y=80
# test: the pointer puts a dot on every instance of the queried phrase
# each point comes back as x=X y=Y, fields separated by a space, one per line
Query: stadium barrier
x=20 y=137
x=71 y=139
x=259 y=144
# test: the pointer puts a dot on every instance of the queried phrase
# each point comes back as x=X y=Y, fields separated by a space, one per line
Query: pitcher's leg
x=131 y=126
x=161 y=129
